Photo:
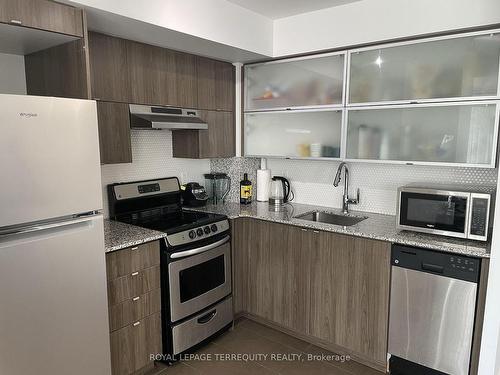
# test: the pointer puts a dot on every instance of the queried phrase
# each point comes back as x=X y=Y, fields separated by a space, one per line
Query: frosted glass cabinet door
x=305 y=134
x=462 y=133
x=310 y=81
x=451 y=68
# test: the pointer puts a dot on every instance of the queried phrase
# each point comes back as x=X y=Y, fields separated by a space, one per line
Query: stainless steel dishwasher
x=432 y=311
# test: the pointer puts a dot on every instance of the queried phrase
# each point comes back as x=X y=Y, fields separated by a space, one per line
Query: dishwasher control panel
x=435 y=262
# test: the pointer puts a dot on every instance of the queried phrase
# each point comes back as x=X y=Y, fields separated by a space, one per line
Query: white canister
x=263 y=182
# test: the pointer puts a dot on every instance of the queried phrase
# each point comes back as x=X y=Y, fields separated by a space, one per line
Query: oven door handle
x=198 y=250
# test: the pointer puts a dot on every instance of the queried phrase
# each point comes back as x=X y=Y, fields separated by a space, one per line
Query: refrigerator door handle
x=45 y=226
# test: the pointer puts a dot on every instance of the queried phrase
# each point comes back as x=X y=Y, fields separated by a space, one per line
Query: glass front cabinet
x=447 y=133
x=431 y=101
x=444 y=69
x=294 y=134
x=316 y=81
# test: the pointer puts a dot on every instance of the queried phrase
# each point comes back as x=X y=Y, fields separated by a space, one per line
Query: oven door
x=199 y=278
x=434 y=211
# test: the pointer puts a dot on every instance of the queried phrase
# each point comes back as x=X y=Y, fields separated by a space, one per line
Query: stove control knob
x=199 y=232
x=192 y=234
x=214 y=228
x=207 y=229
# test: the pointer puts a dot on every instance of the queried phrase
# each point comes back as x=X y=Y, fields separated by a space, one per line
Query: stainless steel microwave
x=446 y=210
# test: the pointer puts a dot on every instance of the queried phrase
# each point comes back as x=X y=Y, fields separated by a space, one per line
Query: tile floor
x=250 y=340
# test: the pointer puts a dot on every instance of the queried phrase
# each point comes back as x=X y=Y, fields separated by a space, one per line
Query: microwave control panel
x=479 y=216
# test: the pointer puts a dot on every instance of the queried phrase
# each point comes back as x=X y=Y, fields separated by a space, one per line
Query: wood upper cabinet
x=58 y=71
x=114 y=132
x=160 y=76
x=42 y=14
x=216 y=142
x=109 y=68
x=216 y=84
x=349 y=302
x=185 y=80
x=131 y=72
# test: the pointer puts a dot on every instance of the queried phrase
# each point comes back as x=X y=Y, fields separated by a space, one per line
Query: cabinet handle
x=134 y=248
x=135 y=273
x=303 y=230
x=16 y=22
x=316 y=231
x=136 y=324
x=136 y=299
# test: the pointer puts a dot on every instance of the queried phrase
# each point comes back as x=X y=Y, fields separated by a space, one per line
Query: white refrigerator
x=53 y=299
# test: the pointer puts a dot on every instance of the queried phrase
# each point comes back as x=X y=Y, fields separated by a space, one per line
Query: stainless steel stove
x=195 y=260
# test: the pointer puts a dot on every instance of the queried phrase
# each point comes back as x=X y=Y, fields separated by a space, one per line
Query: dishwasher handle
x=432 y=267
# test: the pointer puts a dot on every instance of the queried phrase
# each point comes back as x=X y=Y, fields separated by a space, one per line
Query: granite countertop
x=120 y=235
x=376 y=226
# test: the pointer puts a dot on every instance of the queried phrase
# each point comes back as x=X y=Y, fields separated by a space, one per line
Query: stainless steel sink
x=329 y=218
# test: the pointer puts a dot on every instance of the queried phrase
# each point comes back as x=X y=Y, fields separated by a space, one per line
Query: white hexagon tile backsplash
x=312 y=180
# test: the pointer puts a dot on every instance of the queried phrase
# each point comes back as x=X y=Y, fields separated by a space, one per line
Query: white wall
x=377 y=20
x=489 y=360
x=12 y=75
x=211 y=20
x=152 y=158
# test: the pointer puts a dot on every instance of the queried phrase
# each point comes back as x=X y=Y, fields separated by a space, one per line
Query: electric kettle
x=279 y=192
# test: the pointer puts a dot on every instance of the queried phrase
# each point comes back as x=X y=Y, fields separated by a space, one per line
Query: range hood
x=171 y=118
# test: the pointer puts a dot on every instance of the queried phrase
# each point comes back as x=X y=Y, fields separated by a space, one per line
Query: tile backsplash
x=152 y=158
x=235 y=168
x=312 y=181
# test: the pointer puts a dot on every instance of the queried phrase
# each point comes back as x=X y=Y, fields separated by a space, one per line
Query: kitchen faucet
x=346 y=201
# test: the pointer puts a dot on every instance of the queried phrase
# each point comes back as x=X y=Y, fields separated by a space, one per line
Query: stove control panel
x=192 y=235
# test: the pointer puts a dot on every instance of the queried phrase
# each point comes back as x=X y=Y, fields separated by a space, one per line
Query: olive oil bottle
x=245 y=190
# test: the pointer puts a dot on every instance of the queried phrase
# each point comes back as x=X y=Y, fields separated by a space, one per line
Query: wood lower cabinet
x=349 y=295
x=114 y=132
x=131 y=346
x=241 y=230
x=278 y=277
x=134 y=301
x=124 y=262
x=42 y=14
x=330 y=289
x=217 y=141
x=134 y=284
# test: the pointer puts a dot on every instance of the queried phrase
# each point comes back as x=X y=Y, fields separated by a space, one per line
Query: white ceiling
x=275 y=9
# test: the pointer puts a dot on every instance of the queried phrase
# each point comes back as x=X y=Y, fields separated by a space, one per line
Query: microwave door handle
x=201 y=249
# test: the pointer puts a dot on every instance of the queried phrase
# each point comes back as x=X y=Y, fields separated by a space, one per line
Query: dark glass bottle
x=245 y=190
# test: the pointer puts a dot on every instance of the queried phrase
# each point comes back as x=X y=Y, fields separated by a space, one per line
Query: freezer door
x=432 y=320
x=49 y=158
x=53 y=301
